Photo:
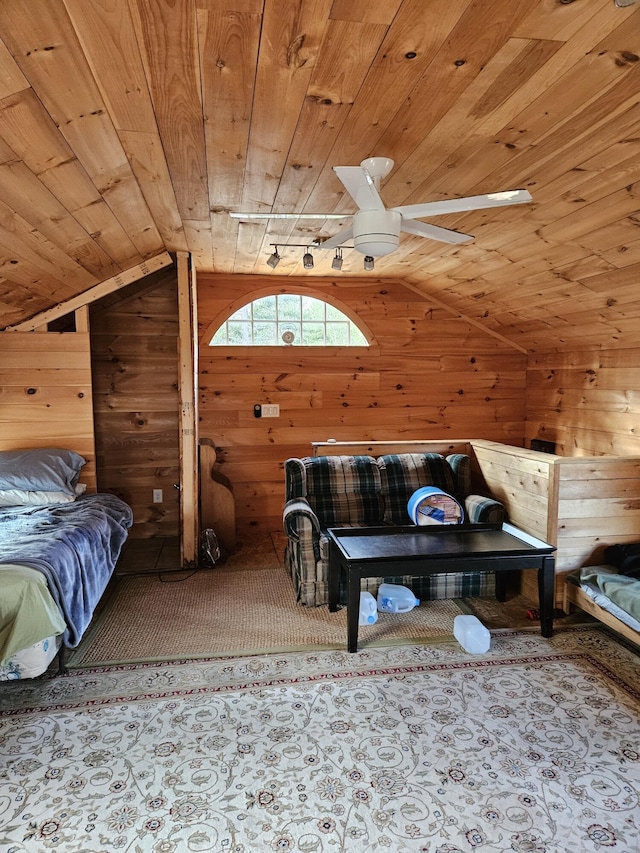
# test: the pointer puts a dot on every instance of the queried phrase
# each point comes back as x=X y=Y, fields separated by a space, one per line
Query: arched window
x=272 y=320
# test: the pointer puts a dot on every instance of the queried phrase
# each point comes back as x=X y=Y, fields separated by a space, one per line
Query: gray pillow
x=45 y=469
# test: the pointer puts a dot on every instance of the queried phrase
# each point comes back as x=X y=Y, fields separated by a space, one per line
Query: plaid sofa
x=363 y=491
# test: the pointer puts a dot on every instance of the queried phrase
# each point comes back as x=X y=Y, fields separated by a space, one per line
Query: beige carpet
x=531 y=747
x=225 y=612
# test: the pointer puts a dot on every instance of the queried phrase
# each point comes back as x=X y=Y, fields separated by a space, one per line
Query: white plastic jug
x=393 y=598
x=471 y=634
x=368 y=610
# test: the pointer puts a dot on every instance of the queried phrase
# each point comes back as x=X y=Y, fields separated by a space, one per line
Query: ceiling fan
x=375 y=229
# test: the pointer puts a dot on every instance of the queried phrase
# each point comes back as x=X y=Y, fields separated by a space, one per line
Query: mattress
x=587 y=578
x=74 y=546
x=32 y=661
x=55 y=563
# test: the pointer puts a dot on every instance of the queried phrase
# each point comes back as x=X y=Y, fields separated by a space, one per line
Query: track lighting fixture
x=368 y=262
x=307 y=260
x=274 y=259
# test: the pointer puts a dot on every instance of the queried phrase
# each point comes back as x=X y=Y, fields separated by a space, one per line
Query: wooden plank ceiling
x=133 y=127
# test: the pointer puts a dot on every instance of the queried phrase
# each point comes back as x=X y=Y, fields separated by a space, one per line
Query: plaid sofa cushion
x=458 y=585
x=401 y=474
x=461 y=466
x=341 y=490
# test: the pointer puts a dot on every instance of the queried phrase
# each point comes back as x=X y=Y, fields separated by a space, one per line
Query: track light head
x=274 y=259
x=368 y=263
x=307 y=260
x=336 y=263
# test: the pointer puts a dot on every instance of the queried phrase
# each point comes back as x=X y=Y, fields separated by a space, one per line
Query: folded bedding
x=75 y=547
x=28 y=613
x=622 y=590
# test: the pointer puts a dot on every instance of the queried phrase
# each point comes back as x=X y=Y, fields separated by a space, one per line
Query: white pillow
x=20 y=497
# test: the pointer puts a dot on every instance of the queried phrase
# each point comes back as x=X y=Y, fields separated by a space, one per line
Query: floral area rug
x=533 y=747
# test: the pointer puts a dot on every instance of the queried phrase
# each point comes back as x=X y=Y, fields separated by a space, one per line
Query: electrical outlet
x=157 y=496
x=271 y=411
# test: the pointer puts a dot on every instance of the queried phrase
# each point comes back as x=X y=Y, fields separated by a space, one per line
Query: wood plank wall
x=579 y=504
x=523 y=480
x=587 y=401
x=45 y=394
x=135 y=371
x=598 y=500
x=428 y=375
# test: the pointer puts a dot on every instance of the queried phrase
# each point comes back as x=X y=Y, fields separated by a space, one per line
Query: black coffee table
x=371 y=552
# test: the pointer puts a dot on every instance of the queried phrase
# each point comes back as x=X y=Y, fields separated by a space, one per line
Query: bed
x=58 y=550
x=610 y=592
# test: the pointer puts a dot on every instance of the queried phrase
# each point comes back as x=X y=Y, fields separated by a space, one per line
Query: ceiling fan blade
x=434 y=232
x=360 y=186
x=338 y=239
x=460 y=205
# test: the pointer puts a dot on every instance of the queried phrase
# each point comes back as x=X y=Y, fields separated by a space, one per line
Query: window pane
x=337 y=334
x=243 y=313
x=220 y=337
x=289 y=306
x=334 y=314
x=239 y=333
x=357 y=339
x=312 y=309
x=265 y=308
x=264 y=334
x=313 y=334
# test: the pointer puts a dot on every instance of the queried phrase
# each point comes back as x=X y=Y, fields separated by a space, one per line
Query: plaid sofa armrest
x=482 y=509
x=298 y=518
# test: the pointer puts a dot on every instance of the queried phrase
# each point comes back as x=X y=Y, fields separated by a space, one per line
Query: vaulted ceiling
x=132 y=128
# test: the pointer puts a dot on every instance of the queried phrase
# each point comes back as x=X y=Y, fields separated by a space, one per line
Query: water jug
x=471 y=634
x=393 y=598
x=368 y=610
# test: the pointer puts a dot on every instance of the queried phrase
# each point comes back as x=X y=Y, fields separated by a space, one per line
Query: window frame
x=249 y=299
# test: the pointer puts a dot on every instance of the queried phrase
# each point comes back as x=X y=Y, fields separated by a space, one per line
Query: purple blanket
x=75 y=545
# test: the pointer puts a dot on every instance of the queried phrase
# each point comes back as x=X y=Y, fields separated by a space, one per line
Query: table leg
x=333 y=580
x=546 y=591
x=353 y=608
x=501 y=585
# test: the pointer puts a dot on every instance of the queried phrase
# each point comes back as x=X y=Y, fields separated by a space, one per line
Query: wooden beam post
x=188 y=376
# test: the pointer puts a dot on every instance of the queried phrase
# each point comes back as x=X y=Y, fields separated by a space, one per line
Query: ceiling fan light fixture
x=336 y=263
x=307 y=260
x=376 y=232
x=369 y=263
x=274 y=259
